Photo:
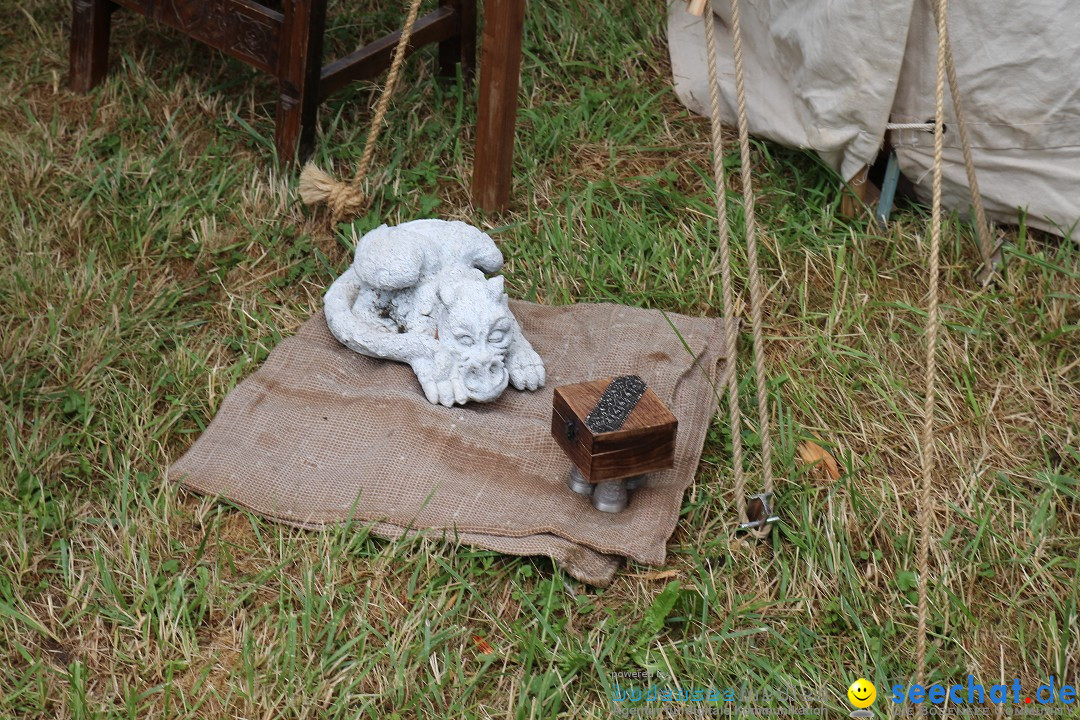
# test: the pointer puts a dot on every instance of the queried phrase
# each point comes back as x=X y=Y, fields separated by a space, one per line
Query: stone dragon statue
x=418 y=293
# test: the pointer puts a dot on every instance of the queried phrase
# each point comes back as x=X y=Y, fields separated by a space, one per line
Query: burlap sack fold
x=320 y=433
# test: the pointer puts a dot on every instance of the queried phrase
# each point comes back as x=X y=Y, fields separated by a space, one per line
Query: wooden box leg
x=89 y=43
x=299 y=68
x=462 y=47
x=500 y=65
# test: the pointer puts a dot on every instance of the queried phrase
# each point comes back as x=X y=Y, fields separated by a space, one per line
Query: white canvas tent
x=830 y=74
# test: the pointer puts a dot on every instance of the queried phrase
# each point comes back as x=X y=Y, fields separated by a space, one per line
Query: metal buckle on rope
x=759 y=507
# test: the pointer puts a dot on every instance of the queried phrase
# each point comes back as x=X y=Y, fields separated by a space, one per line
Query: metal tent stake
x=760 y=508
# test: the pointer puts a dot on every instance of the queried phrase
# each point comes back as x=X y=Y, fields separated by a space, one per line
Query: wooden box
x=645 y=442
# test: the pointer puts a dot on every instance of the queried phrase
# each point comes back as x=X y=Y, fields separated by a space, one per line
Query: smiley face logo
x=862 y=693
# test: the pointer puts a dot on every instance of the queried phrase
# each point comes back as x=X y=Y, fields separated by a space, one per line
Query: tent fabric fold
x=828 y=75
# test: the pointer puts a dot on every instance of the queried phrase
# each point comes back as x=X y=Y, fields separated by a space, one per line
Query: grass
x=154 y=256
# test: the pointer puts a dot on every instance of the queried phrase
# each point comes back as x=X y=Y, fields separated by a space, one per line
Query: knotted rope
x=347 y=199
x=756 y=289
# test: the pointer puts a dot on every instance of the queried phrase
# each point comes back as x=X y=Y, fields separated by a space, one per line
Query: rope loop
x=762 y=528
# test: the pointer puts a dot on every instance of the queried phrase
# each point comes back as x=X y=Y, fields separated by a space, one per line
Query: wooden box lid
x=644 y=443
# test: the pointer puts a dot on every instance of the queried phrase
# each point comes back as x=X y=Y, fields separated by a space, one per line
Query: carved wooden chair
x=287 y=43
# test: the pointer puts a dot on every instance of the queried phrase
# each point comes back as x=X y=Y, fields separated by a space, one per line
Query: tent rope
x=347 y=199
x=982 y=227
x=756 y=289
x=727 y=293
x=909 y=126
x=926 y=445
x=945 y=67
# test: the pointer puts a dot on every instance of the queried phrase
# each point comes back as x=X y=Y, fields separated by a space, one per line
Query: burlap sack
x=320 y=433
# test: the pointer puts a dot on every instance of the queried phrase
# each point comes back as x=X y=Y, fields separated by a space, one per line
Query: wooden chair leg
x=500 y=65
x=89 y=43
x=462 y=47
x=299 y=68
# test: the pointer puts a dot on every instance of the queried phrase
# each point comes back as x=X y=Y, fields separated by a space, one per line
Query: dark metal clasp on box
x=759 y=512
x=571 y=430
